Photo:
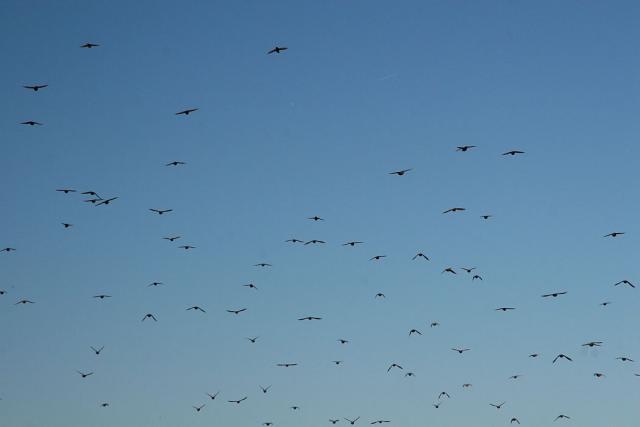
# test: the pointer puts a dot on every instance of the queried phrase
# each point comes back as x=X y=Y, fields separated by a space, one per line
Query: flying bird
x=102 y=296
x=66 y=225
x=149 y=316
x=377 y=257
x=83 y=374
x=497 y=405
x=277 y=49
x=514 y=420
x=624 y=359
x=198 y=408
x=171 y=238
x=265 y=389
x=614 y=234
x=186 y=247
x=195 y=307
x=464 y=147
x=176 y=163
x=213 y=396
x=251 y=286
x=454 y=210
x=512 y=153
x=24 y=302
x=262 y=264
x=352 y=421
x=294 y=241
x=625 y=282
x=105 y=201
x=286 y=365
x=7 y=250
x=562 y=356
x=444 y=394
x=31 y=123
x=186 y=112
x=154 y=284
x=97 y=351
x=420 y=255
x=352 y=243
x=592 y=344
x=394 y=365
x=448 y=270
x=400 y=172
x=237 y=401
x=90 y=45
x=562 y=416
x=380 y=295
x=314 y=241
x=253 y=340
x=161 y=211
x=35 y=88
x=504 y=308
x=554 y=294
x=310 y=318
x=66 y=190
x=315 y=218
x=414 y=331
x=486 y=216
x=460 y=350
x=236 y=311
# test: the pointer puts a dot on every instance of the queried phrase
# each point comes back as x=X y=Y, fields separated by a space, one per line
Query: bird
x=497 y=405
x=236 y=311
x=262 y=264
x=624 y=359
x=614 y=234
x=175 y=163
x=486 y=216
x=464 y=147
x=514 y=377
x=343 y=341
x=333 y=421
x=105 y=201
x=534 y=355
x=467 y=385
x=104 y=404
x=409 y=374
x=66 y=190
x=592 y=344
x=83 y=374
x=253 y=340
x=149 y=316
x=251 y=286
x=171 y=238
x=352 y=421
x=102 y=296
x=24 y=302
x=598 y=374
x=187 y=111
x=394 y=365
x=90 y=193
x=161 y=211
x=315 y=218
x=448 y=270
x=90 y=45
x=468 y=270
x=377 y=257
x=380 y=295
x=93 y=201
x=277 y=49
x=195 y=307
x=512 y=153
x=460 y=350
x=443 y=394
x=314 y=241
x=199 y=408
x=237 y=401
x=554 y=294
x=562 y=416
x=264 y=389
x=605 y=303
x=267 y=424
x=353 y=243
x=294 y=408
x=310 y=318
x=454 y=210
x=286 y=365
x=562 y=356
x=401 y=172
x=505 y=308
x=294 y=241
x=8 y=250
x=154 y=284
x=437 y=405
x=476 y=276
x=186 y=247
x=213 y=396
x=414 y=331
x=420 y=255
x=97 y=351
x=514 y=420
x=2 y=292
x=380 y=422
x=66 y=225
x=35 y=88
x=625 y=282
x=434 y=324
x=337 y=362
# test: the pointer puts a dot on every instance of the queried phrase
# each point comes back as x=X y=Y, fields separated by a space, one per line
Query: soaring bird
x=213 y=396
x=236 y=311
x=186 y=247
x=90 y=193
x=172 y=238
x=449 y=270
x=377 y=257
x=337 y=362
x=394 y=365
x=380 y=295
x=554 y=294
x=514 y=420
x=187 y=111
x=476 y=276
x=277 y=49
x=35 y=88
x=512 y=153
x=102 y=296
x=24 y=302
x=198 y=408
x=353 y=243
x=434 y=324
x=66 y=190
x=161 y=211
x=333 y=421
x=443 y=394
x=237 y=402
x=149 y=316
x=614 y=234
x=265 y=389
x=414 y=331
x=262 y=264
x=454 y=210
x=486 y=216
x=592 y=344
x=154 y=284
x=315 y=218
x=343 y=341
x=97 y=351
x=7 y=249
x=314 y=241
x=352 y=421
x=175 y=163
x=468 y=270
x=104 y=404
x=497 y=405
x=195 y=307
x=253 y=340
x=514 y=377
x=31 y=123
x=562 y=356
x=625 y=282
x=90 y=45
x=460 y=350
x=83 y=374
x=294 y=241
x=467 y=385
x=504 y=308
x=251 y=286
x=400 y=172
x=310 y=318
x=534 y=355
x=561 y=417
x=66 y=225
x=420 y=255
x=286 y=365
x=105 y=201
x=624 y=359
x=598 y=374
x=464 y=147
x=380 y=421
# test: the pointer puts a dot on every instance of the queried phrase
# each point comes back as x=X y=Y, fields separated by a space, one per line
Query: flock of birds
x=98 y=200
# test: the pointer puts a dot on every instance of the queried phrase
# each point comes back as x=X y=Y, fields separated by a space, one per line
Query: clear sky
x=365 y=88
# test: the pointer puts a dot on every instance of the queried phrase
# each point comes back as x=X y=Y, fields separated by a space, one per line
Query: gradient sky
x=366 y=88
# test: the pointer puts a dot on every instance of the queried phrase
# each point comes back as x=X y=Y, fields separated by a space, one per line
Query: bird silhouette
x=24 y=302
x=486 y=216
x=102 y=296
x=287 y=365
x=8 y=250
x=562 y=356
x=161 y=211
x=237 y=402
x=197 y=308
x=237 y=311
x=512 y=153
x=314 y=241
x=449 y=270
x=213 y=396
x=464 y=147
x=592 y=344
x=380 y=295
x=31 y=123
x=97 y=351
x=377 y=257
x=171 y=238
x=315 y=218
x=175 y=163
x=250 y=286
x=420 y=255
x=394 y=365
x=504 y=308
x=400 y=172
x=352 y=422
x=90 y=45
x=262 y=264
x=105 y=201
x=83 y=374
x=625 y=282
x=514 y=420
x=277 y=49
x=294 y=241
x=353 y=243
x=562 y=417
x=310 y=318
x=253 y=340
x=497 y=405
x=614 y=234
x=154 y=284
x=186 y=112
x=186 y=247
x=35 y=88
x=454 y=210
x=624 y=359
x=66 y=225
x=199 y=408
x=149 y=316
x=333 y=421
x=443 y=394
x=460 y=350
x=554 y=294
x=265 y=389
x=414 y=331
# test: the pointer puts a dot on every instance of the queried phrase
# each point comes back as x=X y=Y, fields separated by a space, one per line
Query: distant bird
x=460 y=350
x=287 y=365
x=449 y=270
x=198 y=408
x=414 y=331
x=104 y=404
x=554 y=294
x=186 y=112
x=505 y=308
x=333 y=421
x=253 y=340
x=514 y=420
x=468 y=270
x=251 y=286
x=337 y=362
x=97 y=351
x=277 y=49
x=534 y=355
x=310 y=318
x=562 y=416
x=624 y=359
x=294 y=408
x=66 y=225
x=604 y=304
x=267 y=424
x=213 y=396
x=394 y=365
x=514 y=377
x=444 y=394
x=476 y=276
x=464 y=147
x=236 y=311
x=106 y=201
x=625 y=282
x=562 y=356
x=614 y=234
x=2 y=292
x=352 y=421
x=454 y=210
x=380 y=295
x=154 y=284
x=237 y=402
x=31 y=123
x=7 y=249
x=592 y=344
x=149 y=316
x=90 y=45
x=195 y=307
x=186 y=247
x=262 y=264
x=161 y=211
x=264 y=389
x=176 y=163
x=172 y=238
x=598 y=375
x=467 y=385
x=24 y=302
x=377 y=257
x=512 y=153
x=420 y=255
x=342 y=341
x=66 y=190
x=84 y=375
x=352 y=243
x=497 y=405
x=315 y=218
x=102 y=296
x=35 y=88
x=93 y=201
x=437 y=405
x=380 y=422
x=90 y=193
x=294 y=241
x=400 y=172
x=434 y=324
x=486 y=216
x=314 y=241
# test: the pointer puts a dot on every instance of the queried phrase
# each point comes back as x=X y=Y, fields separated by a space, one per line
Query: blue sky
x=365 y=88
